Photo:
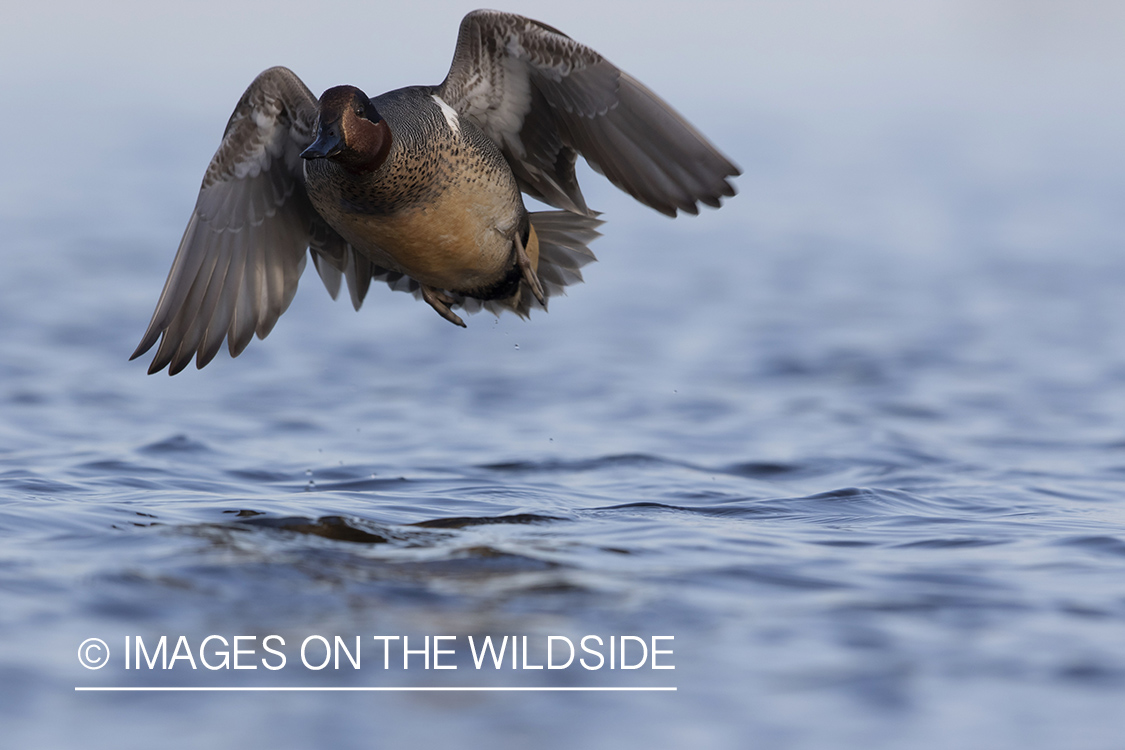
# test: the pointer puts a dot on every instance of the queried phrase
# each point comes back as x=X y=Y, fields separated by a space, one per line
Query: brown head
x=350 y=131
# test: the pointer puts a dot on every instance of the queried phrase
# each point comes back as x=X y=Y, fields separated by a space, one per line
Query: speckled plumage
x=410 y=214
x=421 y=187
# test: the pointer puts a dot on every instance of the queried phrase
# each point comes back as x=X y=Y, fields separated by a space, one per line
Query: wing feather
x=237 y=266
x=544 y=98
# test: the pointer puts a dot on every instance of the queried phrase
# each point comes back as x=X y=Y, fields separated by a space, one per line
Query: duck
x=421 y=188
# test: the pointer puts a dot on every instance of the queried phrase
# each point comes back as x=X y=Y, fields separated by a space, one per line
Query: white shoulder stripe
x=450 y=115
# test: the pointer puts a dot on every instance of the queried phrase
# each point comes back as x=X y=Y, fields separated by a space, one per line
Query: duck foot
x=441 y=301
x=529 y=274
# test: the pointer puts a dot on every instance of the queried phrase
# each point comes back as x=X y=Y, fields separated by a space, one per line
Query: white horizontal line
x=369 y=689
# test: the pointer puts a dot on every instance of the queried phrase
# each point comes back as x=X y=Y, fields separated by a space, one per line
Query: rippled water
x=857 y=440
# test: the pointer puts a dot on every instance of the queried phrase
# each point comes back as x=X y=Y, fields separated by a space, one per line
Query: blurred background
x=856 y=439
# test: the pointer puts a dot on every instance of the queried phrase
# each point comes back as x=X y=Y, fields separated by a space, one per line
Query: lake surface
x=856 y=441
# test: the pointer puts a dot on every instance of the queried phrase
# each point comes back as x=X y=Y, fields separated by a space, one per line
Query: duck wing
x=243 y=251
x=544 y=98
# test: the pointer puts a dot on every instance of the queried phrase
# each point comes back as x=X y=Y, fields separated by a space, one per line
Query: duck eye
x=359 y=111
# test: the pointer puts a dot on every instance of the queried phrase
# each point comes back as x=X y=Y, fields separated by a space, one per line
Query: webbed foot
x=529 y=274
x=441 y=302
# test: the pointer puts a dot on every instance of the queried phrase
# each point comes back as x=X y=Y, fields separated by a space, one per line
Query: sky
x=886 y=122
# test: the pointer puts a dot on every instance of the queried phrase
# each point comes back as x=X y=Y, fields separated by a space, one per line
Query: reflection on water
x=855 y=440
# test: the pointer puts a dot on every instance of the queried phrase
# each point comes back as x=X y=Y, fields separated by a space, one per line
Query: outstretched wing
x=544 y=98
x=243 y=251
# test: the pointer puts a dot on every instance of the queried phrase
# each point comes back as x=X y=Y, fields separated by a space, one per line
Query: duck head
x=350 y=131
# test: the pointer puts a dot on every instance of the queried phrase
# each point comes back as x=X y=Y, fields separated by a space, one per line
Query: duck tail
x=563 y=237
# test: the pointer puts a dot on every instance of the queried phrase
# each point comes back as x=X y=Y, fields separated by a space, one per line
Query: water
x=857 y=440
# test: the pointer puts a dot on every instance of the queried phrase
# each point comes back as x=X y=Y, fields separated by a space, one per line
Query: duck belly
x=460 y=241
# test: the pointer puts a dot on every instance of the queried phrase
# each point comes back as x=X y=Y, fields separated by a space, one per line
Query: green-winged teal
x=420 y=187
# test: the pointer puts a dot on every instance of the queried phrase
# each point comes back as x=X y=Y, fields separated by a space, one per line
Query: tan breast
x=461 y=241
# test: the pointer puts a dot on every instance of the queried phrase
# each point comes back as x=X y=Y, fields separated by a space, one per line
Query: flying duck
x=421 y=187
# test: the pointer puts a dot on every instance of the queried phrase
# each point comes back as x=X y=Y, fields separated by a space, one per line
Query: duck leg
x=441 y=301
x=529 y=275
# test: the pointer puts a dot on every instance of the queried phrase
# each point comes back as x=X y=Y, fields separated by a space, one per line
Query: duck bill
x=328 y=143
